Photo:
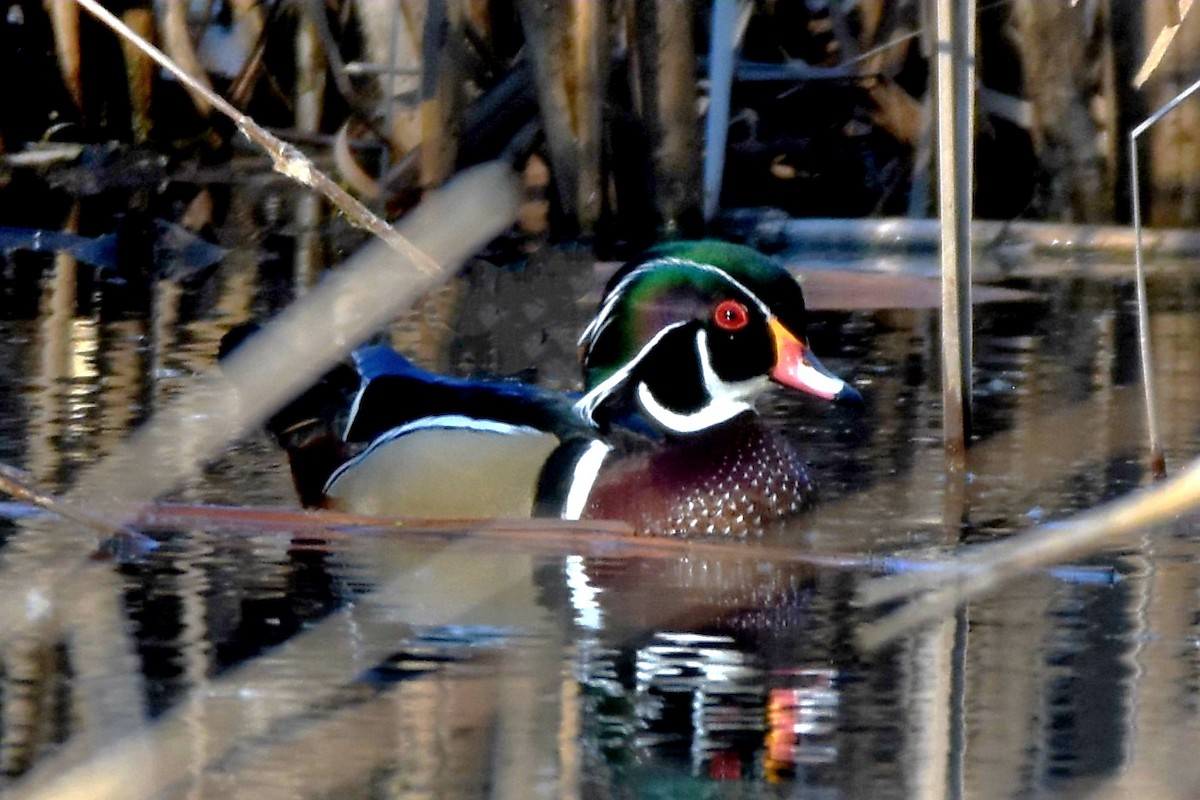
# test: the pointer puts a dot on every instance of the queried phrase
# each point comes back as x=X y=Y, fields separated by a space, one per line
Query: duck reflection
x=706 y=671
x=709 y=670
x=802 y=717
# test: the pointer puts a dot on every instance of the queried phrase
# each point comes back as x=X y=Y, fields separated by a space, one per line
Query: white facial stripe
x=583 y=478
x=457 y=421
x=592 y=331
x=587 y=405
x=726 y=400
x=602 y=316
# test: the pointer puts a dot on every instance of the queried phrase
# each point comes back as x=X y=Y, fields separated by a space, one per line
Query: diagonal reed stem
x=287 y=159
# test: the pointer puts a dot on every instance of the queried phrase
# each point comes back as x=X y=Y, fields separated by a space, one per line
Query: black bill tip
x=849 y=397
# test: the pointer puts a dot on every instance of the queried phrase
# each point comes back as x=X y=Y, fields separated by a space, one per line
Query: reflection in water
x=297 y=665
x=802 y=716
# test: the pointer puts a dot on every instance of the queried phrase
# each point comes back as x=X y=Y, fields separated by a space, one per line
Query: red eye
x=731 y=315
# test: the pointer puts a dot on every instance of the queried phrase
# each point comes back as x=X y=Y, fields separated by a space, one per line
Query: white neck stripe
x=583 y=478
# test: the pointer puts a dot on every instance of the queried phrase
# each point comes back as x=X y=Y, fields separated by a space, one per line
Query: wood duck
x=663 y=435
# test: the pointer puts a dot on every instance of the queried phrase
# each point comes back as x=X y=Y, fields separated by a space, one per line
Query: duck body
x=664 y=435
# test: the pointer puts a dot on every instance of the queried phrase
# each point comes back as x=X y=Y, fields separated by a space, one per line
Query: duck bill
x=796 y=367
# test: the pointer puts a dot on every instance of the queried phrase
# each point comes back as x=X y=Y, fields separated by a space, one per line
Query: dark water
x=263 y=661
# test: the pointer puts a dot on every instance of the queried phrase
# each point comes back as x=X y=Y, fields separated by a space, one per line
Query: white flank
x=455 y=421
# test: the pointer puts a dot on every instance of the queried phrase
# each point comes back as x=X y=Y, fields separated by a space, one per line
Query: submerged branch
x=21 y=485
x=986 y=567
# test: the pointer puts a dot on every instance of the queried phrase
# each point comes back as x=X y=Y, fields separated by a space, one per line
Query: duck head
x=689 y=334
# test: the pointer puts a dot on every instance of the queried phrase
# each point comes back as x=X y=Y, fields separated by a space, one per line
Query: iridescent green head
x=690 y=332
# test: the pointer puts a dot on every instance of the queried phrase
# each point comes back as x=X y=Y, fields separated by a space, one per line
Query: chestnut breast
x=732 y=482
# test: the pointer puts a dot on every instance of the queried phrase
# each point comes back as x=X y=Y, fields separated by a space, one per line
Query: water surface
x=263 y=661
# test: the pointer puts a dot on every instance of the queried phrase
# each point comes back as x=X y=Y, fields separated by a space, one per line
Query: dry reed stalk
x=287 y=159
x=666 y=56
x=249 y=22
x=547 y=27
x=139 y=72
x=310 y=77
x=64 y=19
x=392 y=33
x=955 y=88
x=177 y=42
x=1176 y=13
x=590 y=35
x=723 y=46
x=373 y=288
x=442 y=96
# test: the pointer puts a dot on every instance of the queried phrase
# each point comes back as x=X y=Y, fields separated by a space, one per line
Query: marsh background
x=287 y=658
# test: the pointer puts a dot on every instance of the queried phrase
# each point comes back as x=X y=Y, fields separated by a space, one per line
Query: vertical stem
x=139 y=72
x=310 y=77
x=955 y=89
x=441 y=91
x=389 y=94
x=722 y=48
x=545 y=25
x=591 y=56
x=965 y=138
x=310 y=99
x=64 y=18
x=177 y=43
x=918 y=193
x=1158 y=466
x=673 y=126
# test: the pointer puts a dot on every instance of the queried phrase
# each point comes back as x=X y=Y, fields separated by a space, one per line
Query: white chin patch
x=707 y=416
x=725 y=400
